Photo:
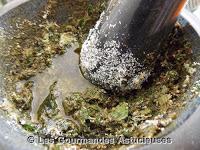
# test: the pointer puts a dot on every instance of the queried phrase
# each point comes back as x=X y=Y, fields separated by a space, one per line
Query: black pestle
x=120 y=51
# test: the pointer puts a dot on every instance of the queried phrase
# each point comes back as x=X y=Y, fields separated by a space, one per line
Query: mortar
x=185 y=133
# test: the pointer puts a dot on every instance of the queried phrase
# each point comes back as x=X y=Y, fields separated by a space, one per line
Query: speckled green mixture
x=97 y=113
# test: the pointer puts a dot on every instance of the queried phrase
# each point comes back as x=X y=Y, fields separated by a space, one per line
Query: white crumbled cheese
x=148 y=123
x=196 y=88
x=190 y=69
x=186 y=81
x=66 y=39
x=196 y=64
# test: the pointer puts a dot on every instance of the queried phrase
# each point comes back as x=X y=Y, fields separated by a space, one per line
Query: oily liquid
x=65 y=71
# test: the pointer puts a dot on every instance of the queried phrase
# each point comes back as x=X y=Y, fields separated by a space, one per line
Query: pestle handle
x=120 y=52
